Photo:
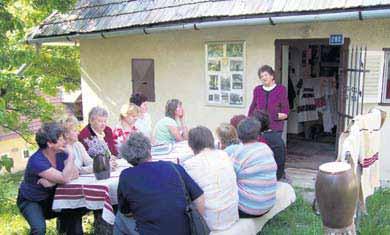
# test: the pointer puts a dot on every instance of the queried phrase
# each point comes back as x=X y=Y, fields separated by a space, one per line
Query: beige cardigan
x=81 y=158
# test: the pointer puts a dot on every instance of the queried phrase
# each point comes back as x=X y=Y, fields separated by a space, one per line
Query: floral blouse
x=120 y=135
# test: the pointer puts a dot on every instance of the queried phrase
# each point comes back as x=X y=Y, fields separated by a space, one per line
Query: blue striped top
x=255 y=167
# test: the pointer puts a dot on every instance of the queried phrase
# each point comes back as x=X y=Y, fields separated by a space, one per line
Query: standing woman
x=270 y=98
x=50 y=165
x=171 y=128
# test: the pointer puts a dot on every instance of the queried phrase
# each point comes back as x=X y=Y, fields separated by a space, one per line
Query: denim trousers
x=36 y=214
x=124 y=225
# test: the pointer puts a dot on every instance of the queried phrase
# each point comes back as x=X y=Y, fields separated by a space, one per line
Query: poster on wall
x=225 y=98
x=236 y=65
x=237 y=82
x=213 y=82
x=225 y=83
x=225 y=73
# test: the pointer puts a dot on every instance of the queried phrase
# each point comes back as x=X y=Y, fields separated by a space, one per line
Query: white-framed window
x=25 y=153
x=385 y=96
x=225 y=73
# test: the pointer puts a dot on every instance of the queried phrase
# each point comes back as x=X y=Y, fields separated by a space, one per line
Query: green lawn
x=297 y=219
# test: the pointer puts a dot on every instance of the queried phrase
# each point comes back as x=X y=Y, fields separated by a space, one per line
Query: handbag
x=198 y=225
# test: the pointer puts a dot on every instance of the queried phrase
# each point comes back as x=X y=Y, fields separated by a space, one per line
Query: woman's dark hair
x=49 y=132
x=136 y=149
x=171 y=106
x=266 y=68
x=138 y=99
x=263 y=118
x=237 y=119
x=200 y=138
x=248 y=130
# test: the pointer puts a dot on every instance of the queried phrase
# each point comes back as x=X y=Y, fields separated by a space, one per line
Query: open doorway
x=313 y=72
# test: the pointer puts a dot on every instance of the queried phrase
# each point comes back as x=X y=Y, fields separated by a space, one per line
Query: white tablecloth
x=179 y=153
x=94 y=194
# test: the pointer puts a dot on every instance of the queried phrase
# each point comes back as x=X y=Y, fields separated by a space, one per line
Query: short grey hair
x=248 y=130
x=136 y=149
x=200 y=138
x=97 y=112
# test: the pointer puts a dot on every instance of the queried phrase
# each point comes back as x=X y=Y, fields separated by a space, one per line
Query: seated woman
x=51 y=164
x=128 y=116
x=152 y=192
x=228 y=138
x=236 y=119
x=171 y=128
x=213 y=171
x=274 y=141
x=144 y=121
x=97 y=127
x=255 y=168
x=82 y=160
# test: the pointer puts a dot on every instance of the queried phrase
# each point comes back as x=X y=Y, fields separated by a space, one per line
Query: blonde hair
x=70 y=123
x=129 y=109
x=227 y=134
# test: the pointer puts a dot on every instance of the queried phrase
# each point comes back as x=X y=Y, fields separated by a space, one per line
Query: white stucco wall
x=179 y=59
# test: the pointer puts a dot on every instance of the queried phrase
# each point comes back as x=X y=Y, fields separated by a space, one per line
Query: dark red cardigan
x=87 y=133
x=277 y=102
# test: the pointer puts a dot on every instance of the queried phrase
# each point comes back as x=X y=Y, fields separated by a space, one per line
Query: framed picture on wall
x=225 y=73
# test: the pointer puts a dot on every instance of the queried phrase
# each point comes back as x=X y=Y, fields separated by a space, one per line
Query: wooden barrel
x=336 y=193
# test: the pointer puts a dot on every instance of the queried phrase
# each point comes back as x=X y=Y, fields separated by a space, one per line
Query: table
x=94 y=194
x=177 y=153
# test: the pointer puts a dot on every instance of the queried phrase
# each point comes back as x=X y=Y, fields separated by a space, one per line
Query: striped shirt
x=255 y=167
x=213 y=171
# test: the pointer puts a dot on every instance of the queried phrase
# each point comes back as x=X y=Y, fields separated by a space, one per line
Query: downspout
x=328 y=17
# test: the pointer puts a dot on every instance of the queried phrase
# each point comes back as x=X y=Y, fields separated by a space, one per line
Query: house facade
x=208 y=56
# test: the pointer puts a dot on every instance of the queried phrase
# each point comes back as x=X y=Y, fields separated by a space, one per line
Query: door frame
x=342 y=83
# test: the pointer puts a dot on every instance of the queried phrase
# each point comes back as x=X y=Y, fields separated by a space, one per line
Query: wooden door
x=142 y=73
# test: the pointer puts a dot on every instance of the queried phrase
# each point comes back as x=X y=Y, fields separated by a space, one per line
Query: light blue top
x=231 y=148
x=255 y=167
x=161 y=131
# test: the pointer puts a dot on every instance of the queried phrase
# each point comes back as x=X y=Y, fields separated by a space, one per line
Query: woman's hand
x=113 y=164
x=45 y=183
x=282 y=116
x=75 y=174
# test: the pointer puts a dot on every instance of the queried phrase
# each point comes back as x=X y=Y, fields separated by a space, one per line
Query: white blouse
x=144 y=125
x=213 y=171
x=82 y=160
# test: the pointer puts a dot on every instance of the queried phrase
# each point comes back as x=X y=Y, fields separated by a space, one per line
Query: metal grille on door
x=354 y=86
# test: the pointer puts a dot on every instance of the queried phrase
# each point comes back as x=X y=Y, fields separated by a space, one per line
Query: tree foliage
x=22 y=95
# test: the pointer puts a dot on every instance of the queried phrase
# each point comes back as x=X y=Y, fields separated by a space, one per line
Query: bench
x=285 y=196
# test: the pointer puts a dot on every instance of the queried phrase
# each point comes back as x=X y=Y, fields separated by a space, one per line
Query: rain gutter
x=274 y=20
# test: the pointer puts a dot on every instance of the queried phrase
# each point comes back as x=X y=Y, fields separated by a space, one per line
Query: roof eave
x=178 y=26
